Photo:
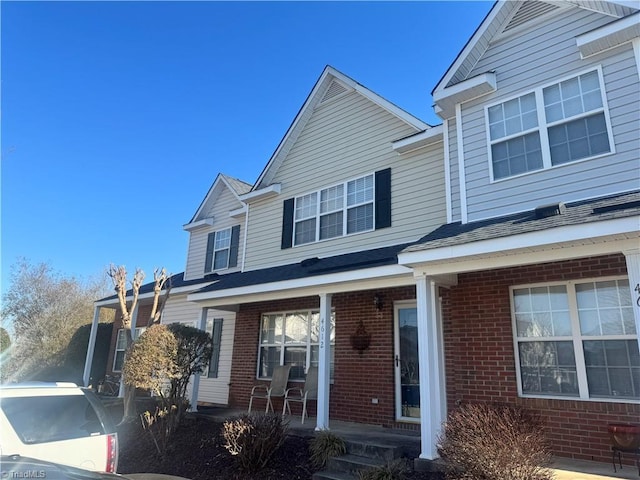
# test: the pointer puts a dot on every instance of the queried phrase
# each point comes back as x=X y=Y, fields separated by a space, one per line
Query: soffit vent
x=529 y=10
x=335 y=89
x=552 y=210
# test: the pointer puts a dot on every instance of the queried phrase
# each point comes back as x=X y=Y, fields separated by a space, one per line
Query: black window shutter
x=383 y=198
x=235 y=242
x=208 y=259
x=287 y=224
x=215 y=353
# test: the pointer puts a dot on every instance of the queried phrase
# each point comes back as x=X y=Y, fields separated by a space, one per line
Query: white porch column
x=324 y=362
x=432 y=405
x=633 y=271
x=91 y=347
x=195 y=379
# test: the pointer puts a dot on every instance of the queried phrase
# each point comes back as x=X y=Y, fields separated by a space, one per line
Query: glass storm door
x=407 y=367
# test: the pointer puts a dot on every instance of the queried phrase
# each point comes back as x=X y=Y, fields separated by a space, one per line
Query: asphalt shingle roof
x=307 y=268
x=177 y=281
x=575 y=213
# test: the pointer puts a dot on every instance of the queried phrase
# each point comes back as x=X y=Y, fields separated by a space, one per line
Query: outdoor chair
x=301 y=395
x=277 y=388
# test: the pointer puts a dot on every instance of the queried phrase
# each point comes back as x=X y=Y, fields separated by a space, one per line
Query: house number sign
x=637 y=290
x=323 y=322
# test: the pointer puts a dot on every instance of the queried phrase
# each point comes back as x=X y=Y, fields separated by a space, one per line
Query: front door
x=407 y=367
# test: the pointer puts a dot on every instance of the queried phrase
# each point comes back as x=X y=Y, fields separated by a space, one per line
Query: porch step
x=352 y=463
x=361 y=455
x=378 y=450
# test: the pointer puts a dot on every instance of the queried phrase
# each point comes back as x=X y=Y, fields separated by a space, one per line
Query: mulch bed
x=196 y=452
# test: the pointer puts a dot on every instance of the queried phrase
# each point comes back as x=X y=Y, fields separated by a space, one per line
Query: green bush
x=150 y=362
x=324 y=446
x=194 y=347
x=253 y=439
x=494 y=442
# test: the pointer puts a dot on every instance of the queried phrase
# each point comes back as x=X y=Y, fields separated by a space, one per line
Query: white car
x=57 y=422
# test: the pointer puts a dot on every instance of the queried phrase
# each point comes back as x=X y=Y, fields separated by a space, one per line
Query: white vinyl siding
x=212 y=390
x=536 y=58
x=223 y=202
x=576 y=340
x=553 y=125
x=345 y=139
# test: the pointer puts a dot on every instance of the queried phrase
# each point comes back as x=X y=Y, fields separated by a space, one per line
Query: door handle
x=397 y=361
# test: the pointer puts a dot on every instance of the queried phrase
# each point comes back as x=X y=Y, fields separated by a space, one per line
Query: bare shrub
x=253 y=439
x=494 y=442
x=324 y=446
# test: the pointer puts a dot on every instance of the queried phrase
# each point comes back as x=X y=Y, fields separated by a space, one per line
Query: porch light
x=378 y=302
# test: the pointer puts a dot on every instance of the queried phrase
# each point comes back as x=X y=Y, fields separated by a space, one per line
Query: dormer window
x=222 y=249
x=359 y=205
x=551 y=126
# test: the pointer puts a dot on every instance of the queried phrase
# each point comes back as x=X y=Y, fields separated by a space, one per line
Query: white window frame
x=135 y=334
x=346 y=207
x=544 y=126
x=308 y=344
x=576 y=337
x=215 y=250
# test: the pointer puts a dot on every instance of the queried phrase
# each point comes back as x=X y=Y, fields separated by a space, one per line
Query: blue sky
x=117 y=116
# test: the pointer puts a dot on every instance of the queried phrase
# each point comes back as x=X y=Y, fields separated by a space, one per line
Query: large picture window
x=577 y=339
x=553 y=125
x=291 y=339
x=335 y=211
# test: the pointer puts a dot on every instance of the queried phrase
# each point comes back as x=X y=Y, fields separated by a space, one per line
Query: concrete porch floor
x=564 y=468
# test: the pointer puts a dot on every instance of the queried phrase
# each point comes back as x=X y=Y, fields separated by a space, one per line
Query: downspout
x=461 y=173
x=246 y=234
x=447 y=170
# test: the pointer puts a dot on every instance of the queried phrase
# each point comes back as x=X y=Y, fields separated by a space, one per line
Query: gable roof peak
x=330 y=85
x=235 y=186
x=508 y=15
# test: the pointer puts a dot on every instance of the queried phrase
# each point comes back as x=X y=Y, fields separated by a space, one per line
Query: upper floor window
x=552 y=125
x=330 y=213
x=358 y=205
x=577 y=340
x=222 y=249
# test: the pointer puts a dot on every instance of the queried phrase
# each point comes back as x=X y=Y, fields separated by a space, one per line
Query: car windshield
x=51 y=418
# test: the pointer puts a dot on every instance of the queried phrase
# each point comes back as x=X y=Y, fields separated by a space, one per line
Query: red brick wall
x=479 y=355
x=480 y=361
x=358 y=377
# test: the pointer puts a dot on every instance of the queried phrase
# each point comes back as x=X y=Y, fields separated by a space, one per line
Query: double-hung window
x=222 y=249
x=335 y=211
x=576 y=340
x=291 y=338
x=553 y=125
x=121 y=347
